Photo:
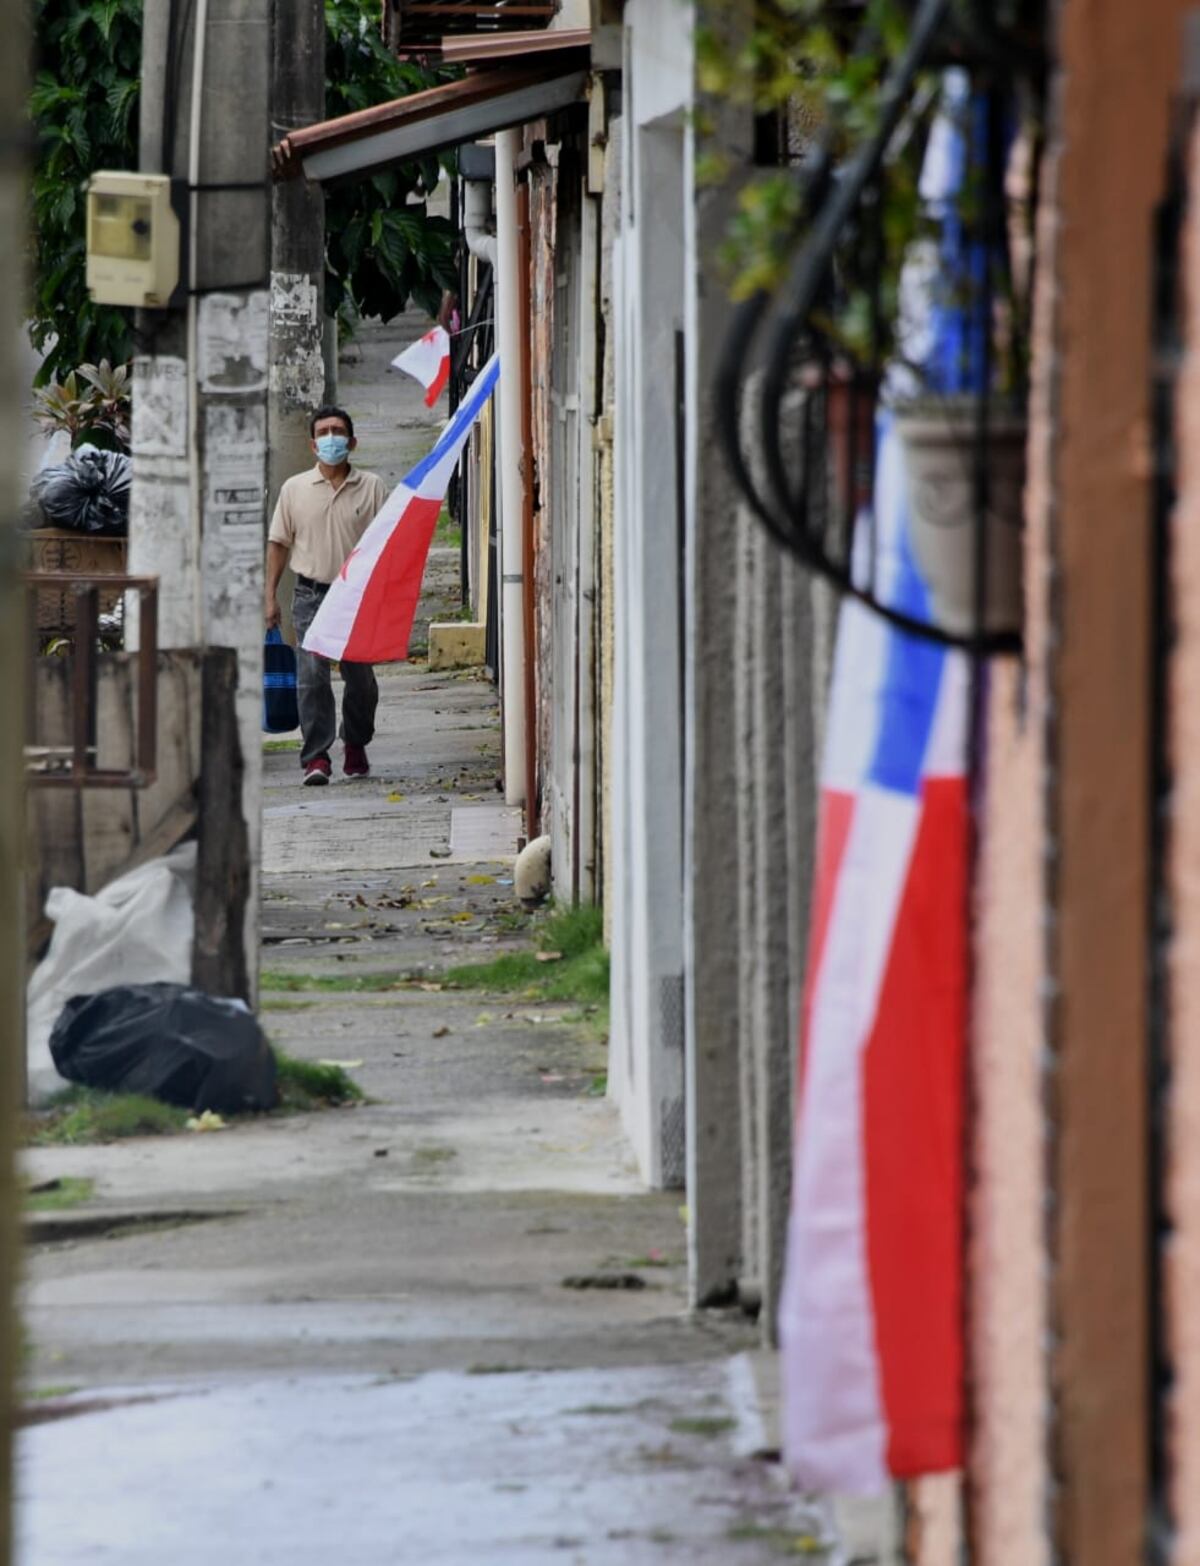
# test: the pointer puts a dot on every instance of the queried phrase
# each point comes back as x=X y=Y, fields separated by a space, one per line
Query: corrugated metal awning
x=479 y=104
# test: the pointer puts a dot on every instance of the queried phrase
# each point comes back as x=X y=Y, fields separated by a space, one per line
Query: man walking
x=319 y=518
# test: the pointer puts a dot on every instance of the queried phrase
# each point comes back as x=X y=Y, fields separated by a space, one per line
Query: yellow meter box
x=133 y=240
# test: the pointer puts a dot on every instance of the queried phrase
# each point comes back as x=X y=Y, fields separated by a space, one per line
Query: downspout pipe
x=507 y=285
x=477 y=220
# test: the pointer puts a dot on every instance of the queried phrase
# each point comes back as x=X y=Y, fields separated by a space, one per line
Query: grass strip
x=310 y=1084
x=59 y=1195
x=579 y=971
x=339 y=983
x=81 y=1114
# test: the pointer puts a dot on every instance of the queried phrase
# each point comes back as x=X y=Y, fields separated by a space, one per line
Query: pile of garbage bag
x=111 y=1006
x=87 y=493
x=202 y=1052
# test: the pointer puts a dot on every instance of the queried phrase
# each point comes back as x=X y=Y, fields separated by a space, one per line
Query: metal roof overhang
x=468 y=50
x=445 y=116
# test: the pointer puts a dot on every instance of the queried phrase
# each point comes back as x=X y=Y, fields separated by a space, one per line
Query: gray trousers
x=314 y=689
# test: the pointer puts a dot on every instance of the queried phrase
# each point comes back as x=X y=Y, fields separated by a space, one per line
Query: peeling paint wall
x=606 y=507
x=297 y=362
x=543 y=216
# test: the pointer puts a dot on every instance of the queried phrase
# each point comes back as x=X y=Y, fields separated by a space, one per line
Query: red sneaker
x=316 y=774
x=356 y=764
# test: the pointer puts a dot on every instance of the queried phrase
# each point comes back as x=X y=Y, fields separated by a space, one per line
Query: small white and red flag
x=428 y=361
x=368 y=611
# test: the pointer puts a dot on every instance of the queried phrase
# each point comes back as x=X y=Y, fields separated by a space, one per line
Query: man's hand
x=277 y=559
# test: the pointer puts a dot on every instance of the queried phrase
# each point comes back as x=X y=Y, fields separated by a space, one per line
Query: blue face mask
x=333 y=449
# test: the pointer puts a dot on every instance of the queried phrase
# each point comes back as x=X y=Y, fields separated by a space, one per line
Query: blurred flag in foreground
x=428 y=361
x=871 y=1310
x=368 y=611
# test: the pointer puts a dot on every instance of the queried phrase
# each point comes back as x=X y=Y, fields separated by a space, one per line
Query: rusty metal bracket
x=74 y=765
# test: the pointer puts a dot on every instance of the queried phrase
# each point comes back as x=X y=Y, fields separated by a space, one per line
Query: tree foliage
x=383 y=248
x=84 y=105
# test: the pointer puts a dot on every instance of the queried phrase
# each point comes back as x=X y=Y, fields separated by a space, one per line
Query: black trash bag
x=169 y=1041
x=88 y=493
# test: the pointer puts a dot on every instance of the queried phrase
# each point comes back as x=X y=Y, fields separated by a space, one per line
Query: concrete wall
x=645 y=889
x=1007 y=1297
x=1059 y=1286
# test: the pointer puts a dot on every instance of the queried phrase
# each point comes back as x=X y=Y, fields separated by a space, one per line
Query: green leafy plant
x=817 y=69
x=383 y=247
x=98 y=411
x=84 y=105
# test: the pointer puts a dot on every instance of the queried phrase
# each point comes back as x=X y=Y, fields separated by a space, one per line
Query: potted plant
x=974 y=582
x=91 y=407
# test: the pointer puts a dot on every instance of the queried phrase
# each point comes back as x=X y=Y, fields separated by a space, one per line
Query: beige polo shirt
x=320 y=525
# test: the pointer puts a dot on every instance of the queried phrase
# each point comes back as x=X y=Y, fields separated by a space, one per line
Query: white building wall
x=645 y=894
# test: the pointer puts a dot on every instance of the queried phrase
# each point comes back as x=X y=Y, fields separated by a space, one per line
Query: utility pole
x=15 y=653
x=297 y=363
x=200 y=390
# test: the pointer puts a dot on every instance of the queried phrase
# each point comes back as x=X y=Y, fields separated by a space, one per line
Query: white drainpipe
x=477 y=221
x=503 y=254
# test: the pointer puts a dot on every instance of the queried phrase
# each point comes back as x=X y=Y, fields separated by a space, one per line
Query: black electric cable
x=177 y=26
x=748 y=318
x=776 y=509
x=811 y=266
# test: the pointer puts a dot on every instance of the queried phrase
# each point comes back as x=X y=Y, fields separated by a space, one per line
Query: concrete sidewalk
x=445 y=1326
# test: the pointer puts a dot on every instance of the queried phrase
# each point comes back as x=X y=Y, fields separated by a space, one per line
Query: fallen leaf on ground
x=481 y=880
x=440 y=1033
x=548 y=956
x=208 y=1121
x=395 y=799
x=429 y=986
x=461 y=918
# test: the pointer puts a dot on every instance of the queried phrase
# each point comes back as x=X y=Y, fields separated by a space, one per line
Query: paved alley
x=444 y=1326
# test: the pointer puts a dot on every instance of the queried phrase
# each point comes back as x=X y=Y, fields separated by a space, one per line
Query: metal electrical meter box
x=133 y=240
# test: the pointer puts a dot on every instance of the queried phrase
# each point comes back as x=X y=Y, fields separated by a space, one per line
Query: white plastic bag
x=136 y=930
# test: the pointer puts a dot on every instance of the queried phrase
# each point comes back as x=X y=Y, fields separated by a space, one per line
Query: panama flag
x=871 y=1308
x=368 y=611
x=428 y=361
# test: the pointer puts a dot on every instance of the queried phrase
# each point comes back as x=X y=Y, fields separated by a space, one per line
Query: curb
x=47 y=1228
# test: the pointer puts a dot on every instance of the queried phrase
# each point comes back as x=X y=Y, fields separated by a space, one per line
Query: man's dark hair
x=330 y=412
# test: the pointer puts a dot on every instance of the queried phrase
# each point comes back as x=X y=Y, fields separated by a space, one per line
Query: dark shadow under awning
x=481 y=103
